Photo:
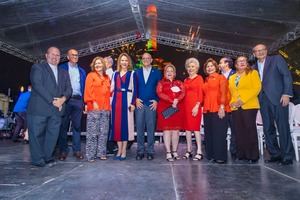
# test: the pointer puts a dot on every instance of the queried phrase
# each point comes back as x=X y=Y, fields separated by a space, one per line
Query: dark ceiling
x=29 y=27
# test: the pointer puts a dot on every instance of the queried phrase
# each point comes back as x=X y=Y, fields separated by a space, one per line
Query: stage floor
x=131 y=179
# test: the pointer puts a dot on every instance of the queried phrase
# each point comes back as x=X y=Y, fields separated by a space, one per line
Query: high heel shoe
x=169 y=157
x=117 y=157
x=198 y=157
x=188 y=155
x=175 y=155
x=122 y=158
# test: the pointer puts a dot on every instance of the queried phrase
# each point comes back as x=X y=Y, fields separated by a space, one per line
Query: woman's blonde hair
x=169 y=65
x=129 y=62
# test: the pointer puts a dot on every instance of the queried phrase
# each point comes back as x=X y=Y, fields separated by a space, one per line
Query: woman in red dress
x=170 y=93
x=192 y=104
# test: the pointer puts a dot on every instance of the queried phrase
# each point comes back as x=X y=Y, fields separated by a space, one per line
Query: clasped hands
x=237 y=104
x=139 y=104
x=58 y=102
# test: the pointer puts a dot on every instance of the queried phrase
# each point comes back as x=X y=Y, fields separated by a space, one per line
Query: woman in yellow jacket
x=244 y=87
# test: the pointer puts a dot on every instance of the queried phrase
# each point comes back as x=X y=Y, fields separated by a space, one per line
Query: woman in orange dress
x=171 y=93
x=192 y=106
x=215 y=108
x=97 y=98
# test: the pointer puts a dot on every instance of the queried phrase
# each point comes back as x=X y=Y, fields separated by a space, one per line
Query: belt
x=123 y=90
x=76 y=97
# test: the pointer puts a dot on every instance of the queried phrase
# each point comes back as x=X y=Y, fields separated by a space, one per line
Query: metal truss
x=284 y=40
x=108 y=44
x=135 y=7
x=16 y=52
x=203 y=46
x=169 y=39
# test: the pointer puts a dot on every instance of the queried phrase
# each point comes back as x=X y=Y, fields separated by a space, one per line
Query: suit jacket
x=277 y=79
x=147 y=91
x=45 y=89
x=82 y=74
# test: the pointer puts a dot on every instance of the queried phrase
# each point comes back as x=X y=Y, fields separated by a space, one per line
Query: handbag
x=168 y=112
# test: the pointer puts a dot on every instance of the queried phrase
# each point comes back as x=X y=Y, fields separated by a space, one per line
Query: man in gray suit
x=51 y=87
x=274 y=99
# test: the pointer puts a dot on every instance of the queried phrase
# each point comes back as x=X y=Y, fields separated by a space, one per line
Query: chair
x=295 y=130
x=260 y=133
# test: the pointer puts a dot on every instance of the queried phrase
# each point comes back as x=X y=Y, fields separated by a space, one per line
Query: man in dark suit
x=226 y=64
x=74 y=107
x=274 y=100
x=51 y=87
x=146 y=103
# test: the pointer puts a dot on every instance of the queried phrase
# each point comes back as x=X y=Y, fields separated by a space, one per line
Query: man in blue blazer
x=146 y=103
x=51 y=87
x=226 y=64
x=74 y=107
x=274 y=100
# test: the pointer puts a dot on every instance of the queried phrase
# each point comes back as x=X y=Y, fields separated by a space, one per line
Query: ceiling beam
x=16 y=52
x=203 y=46
x=135 y=8
x=107 y=44
x=285 y=39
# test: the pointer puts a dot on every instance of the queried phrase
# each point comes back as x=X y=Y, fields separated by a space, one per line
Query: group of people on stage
x=225 y=98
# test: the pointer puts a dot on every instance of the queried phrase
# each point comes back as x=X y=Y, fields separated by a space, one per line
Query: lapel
x=150 y=75
x=59 y=76
x=51 y=73
x=142 y=75
x=266 y=67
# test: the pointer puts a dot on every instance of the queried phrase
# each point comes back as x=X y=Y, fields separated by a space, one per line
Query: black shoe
x=233 y=156
x=273 y=159
x=150 y=156
x=252 y=161
x=16 y=140
x=51 y=163
x=286 y=162
x=39 y=164
x=25 y=142
x=220 y=161
x=139 y=157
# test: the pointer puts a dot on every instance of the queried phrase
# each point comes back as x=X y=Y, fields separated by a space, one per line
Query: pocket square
x=169 y=112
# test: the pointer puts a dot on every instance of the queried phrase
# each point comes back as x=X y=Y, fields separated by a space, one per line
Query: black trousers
x=276 y=113
x=74 y=110
x=20 y=123
x=244 y=123
x=215 y=130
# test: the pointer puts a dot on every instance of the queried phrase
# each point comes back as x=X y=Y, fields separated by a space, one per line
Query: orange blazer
x=97 y=89
x=216 y=93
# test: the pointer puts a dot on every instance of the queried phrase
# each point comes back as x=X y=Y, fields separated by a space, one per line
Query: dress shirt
x=54 y=70
x=261 y=66
x=75 y=78
x=146 y=73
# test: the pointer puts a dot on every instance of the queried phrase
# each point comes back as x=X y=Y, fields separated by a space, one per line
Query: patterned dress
x=124 y=94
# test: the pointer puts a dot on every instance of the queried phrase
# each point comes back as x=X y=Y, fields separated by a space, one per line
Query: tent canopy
x=217 y=27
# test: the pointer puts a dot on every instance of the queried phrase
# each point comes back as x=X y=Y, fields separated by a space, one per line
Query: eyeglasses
x=241 y=61
x=74 y=55
x=259 y=50
x=146 y=58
